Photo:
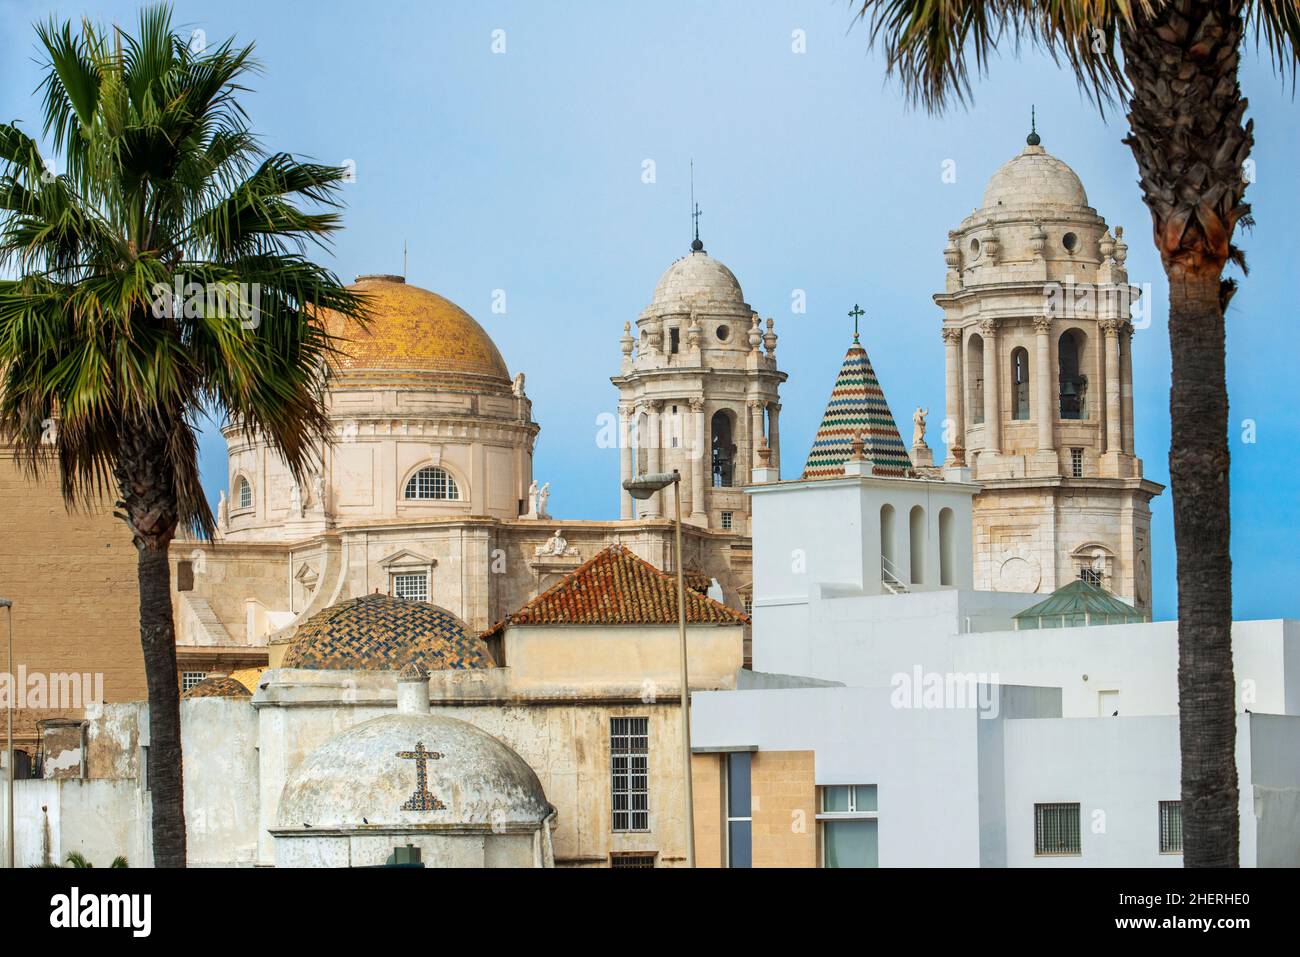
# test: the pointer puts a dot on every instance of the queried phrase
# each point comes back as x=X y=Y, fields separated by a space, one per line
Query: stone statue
x=918 y=426
x=542 y=495
x=556 y=547
x=223 y=511
x=518 y=386
x=532 y=500
x=295 y=500
x=318 y=490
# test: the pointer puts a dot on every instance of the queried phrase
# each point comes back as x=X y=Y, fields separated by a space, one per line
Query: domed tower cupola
x=1037 y=333
x=698 y=391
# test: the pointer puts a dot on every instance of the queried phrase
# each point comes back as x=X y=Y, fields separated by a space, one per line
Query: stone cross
x=421 y=800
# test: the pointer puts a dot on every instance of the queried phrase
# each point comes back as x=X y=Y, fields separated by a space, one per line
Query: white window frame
x=852 y=814
x=191 y=678
x=628 y=728
x=408 y=574
x=242 y=481
x=452 y=485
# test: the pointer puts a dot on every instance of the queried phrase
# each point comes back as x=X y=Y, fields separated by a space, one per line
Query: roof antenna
x=1033 y=139
x=696 y=245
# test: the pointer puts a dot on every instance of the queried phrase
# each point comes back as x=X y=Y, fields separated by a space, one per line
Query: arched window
x=434 y=483
x=975 y=376
x=888 y=556
x=947 y=547
x=724 y=449
x=1073 y=383
x=243 y=493
x=1019 y=384
x=916 y=544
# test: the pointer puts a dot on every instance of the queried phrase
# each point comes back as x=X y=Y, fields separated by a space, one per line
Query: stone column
x=755 y=431
x=1110 y=339
x=992 y=405
x=1126 y=386
x=625 y=468
x=653 y=442
x=952 y=390
x=701 y=463
x=1043 y=378
x=774 y=433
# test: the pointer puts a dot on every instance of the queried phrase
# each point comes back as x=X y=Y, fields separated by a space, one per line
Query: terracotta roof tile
x=615 y=587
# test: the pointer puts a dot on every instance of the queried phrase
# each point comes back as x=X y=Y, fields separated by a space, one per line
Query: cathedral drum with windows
x=1039 y=379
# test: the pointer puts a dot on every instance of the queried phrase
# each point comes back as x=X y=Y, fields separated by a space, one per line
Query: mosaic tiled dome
x=414 y=330
x=382 y=633
x=218 y=686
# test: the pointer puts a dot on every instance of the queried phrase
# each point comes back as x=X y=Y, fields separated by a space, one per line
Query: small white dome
x=1034 y=178
x=369 y=776
x=696 y=279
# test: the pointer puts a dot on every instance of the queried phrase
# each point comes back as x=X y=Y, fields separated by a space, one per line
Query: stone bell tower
x=1039 y=381
x=698 y=393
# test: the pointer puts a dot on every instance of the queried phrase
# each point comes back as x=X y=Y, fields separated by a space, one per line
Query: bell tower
x=698 y=393
x=1037 y=336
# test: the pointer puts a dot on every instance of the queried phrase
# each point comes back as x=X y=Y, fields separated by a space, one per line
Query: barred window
x=1091 y=576
x=629 y=753
x=243 y=493
x=412 y=587
x=1076 y=463
x=1171 y=827
x=727 y=520
x=190 y=678
x=632 y=860
x=432 y=482
x=1056 y=829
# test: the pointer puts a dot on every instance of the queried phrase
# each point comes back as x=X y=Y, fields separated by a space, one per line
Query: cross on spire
x=1033 y=139
x=421 y=800
x=857 y=314
x=696 y=245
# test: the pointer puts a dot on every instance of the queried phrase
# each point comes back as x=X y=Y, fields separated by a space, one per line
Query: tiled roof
x=249 y=678
x=857 y=407
x=615 y=587
x=382 y=633
x=218 y=686
x=1078 y=603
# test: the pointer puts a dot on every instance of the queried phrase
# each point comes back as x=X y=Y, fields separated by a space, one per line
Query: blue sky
x=522 y=171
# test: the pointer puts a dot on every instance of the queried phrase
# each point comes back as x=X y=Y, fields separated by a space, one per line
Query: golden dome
x=414 y=330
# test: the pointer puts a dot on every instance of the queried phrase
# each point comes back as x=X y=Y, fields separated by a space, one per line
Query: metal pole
x=9 y=741
x=686 y=694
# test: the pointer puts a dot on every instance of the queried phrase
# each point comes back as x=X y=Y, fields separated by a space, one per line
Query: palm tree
x=162 y=277
x=1176 y=63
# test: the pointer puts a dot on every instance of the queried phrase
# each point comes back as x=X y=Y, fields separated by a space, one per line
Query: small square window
x=190 y=678
x=1056 y=830
x=411 y=587
x=726 y=520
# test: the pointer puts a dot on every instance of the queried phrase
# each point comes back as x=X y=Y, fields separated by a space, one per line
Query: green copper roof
x=1078 y=603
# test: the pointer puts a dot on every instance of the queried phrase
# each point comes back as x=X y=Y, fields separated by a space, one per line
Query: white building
x=897 y=716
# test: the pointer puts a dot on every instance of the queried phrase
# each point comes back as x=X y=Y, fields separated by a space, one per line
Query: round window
x=974 y=247
x=723 y=332
x=1070 y=241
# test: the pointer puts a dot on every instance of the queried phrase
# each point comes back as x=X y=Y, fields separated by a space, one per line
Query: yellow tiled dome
x=414 y=330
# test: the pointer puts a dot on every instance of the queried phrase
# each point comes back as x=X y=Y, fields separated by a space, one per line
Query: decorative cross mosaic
x=421 y=800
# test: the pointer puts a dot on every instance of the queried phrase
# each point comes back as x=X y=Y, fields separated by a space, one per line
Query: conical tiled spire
x=857 y=406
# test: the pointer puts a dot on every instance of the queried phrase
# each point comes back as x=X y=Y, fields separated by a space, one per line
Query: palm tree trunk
x=1190 y=140
x=148 y=493
x=1198 y=471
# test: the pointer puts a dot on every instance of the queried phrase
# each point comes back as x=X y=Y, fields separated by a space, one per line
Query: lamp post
x=8 y=606
x=642 y=487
